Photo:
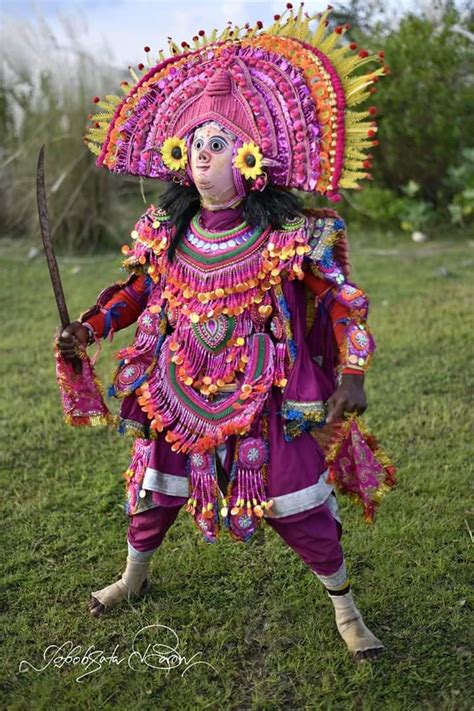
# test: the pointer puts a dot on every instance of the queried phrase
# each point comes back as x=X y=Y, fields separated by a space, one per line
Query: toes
x=367 y=655
x=96 y=608
x=93 y=602
x=146 y=587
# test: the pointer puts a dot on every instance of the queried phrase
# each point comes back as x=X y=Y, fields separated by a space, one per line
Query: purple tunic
x=296 y=474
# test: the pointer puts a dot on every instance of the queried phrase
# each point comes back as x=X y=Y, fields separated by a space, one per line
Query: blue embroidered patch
x=292 y=348
x=284 y=306
x=111 y=314
x=327 y=258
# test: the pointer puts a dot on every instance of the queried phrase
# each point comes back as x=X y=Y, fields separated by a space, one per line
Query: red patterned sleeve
x=338 y=313
x=121 y=309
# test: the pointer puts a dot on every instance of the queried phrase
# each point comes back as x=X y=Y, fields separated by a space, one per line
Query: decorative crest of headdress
x=290 y=92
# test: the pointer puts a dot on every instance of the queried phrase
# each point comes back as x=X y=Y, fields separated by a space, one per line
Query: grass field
x=256 y=613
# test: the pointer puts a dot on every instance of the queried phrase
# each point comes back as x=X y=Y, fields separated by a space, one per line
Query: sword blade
x=49 y=251
x=48 y=242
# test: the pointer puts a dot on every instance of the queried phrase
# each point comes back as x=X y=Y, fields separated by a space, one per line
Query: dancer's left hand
x=349 y=397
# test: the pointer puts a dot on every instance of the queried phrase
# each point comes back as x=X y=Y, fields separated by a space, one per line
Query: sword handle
x=77 y=365
x=76 y=362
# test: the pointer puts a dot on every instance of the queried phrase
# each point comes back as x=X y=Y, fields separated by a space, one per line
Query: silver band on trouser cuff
x=302 y=499
x=335 y=581
x=141 y=556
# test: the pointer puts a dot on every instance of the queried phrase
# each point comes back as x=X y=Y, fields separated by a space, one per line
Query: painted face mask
x=211 y=167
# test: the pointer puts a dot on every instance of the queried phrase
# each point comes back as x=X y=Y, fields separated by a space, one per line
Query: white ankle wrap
x=127 y=587
x=351 y=626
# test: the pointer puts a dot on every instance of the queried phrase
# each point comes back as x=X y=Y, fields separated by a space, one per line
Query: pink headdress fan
x=291 y=93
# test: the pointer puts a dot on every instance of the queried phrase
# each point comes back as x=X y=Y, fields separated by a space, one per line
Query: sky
x=119 y=29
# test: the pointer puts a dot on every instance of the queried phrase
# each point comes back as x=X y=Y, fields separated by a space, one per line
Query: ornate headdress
x=290 y=94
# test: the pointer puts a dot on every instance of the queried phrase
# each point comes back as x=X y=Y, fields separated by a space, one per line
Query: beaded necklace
x=221 y=295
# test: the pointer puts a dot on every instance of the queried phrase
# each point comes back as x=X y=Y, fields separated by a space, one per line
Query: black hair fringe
x=181 y=204
x=272 y=207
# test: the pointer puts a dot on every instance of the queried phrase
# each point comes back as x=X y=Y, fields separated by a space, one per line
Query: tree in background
x=425 y=107
x=423 y=171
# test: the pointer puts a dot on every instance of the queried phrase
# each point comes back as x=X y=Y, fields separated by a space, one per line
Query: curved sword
x=49 y=250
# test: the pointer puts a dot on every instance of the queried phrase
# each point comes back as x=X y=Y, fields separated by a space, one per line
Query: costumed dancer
x=251 y=338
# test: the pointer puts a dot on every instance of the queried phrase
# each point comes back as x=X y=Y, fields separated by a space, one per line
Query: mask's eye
x=217 y=145
x=198 y=144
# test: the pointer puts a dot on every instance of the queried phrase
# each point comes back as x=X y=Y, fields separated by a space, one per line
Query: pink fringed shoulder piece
x=357 y=464
x=81 y=393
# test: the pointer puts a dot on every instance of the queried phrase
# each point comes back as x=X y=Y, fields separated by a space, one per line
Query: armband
x=326 y=233
x=92 y=336
x=352 y=298
x=358 y=347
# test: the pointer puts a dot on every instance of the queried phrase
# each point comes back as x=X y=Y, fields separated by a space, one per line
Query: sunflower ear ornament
x=249 y=161
x=174 y=153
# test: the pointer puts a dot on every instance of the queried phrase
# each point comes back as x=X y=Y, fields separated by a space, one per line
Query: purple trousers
x=315 y=538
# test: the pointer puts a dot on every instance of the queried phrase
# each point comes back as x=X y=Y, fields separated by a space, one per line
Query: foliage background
x=423 y=170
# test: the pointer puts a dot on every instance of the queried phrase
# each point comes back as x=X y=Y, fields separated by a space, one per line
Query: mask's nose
x=203 y=156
